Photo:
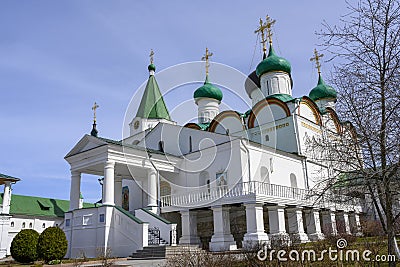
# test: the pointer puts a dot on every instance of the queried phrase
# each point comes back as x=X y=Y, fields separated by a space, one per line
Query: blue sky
x=58 y=57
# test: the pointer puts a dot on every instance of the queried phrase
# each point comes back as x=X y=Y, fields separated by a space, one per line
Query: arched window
x=203 y=178
x=165 y=188
x=23 y=225
x=208 y=186
x=30 y=225
x=43 y=225
x=265 y=175
x=12 y=224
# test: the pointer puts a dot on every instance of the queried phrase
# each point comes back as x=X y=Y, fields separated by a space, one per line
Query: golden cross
x=261 y=30
x=151 y=56
x=206 y=58
x=269 y=24
x=317 y=58
x=95 y=106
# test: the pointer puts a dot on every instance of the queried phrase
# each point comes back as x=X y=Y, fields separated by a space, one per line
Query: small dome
x=322 y=91
x=273 y=63
x=208 y=90
x=252 y=82
x=151 y=67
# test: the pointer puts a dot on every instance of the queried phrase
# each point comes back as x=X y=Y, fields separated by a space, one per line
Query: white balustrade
x=252 y=188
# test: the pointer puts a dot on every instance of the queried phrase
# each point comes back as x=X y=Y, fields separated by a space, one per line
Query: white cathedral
x=229 y=181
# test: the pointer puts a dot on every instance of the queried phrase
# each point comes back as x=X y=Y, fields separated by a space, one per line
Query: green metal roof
x=273 y=63
x=156 y=216
x=152 y=105
x=283 y=97
x=322 y=91
x=134 y=218
x=39 y=206
x=203 y=126
x=208 y=90
x=121 y=143
x=7 y=176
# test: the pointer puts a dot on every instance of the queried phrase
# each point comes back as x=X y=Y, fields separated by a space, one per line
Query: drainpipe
x=245 y=146
x=297 y=136
x=304 y=161
x=248 y=157
x=158 y=183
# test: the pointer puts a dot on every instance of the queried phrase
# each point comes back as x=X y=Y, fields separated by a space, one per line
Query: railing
x=154 y=236
x=254 y=188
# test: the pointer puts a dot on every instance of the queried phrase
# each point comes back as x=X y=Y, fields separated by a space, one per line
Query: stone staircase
x=163 y=252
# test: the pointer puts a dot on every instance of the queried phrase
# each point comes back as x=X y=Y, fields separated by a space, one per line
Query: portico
x=115 y=162
x=110 y=160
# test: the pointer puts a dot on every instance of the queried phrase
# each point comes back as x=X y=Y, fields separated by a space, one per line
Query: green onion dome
x=208 y=90
x=273 y=63
x=322 y=91
x=151 y=67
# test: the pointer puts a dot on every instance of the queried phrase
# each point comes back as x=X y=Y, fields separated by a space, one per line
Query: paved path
x=141 y=263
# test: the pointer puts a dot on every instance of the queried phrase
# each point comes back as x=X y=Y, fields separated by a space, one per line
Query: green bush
x=52 y=244
x=23 y=246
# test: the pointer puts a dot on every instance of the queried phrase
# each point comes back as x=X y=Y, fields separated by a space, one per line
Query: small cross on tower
x=317 y=58
x=206 y=58
x=95 y=106
x=261 y=30
x=151 y=56
x=269 y=24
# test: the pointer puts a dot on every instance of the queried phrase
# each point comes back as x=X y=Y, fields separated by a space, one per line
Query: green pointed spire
x=152 y=105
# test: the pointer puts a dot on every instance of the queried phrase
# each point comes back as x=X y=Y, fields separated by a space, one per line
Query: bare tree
x=365 y=158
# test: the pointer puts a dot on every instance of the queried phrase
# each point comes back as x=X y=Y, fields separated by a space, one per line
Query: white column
x=355 y=225
x=313 y=224
x=152 y=190
x=6 y=197
x=329 y=222
x=222 y=238
x=108 y=184
x=189 y=228
x=277 y=226
x=118 y=192
x=343 y=219
x=5 y=240
x=296 y=228
x=75 y=190
x=255 y=234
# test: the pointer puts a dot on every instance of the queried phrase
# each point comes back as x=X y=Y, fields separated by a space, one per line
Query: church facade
x=231 y=180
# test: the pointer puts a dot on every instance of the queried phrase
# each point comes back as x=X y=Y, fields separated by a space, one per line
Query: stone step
x=162 y=252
